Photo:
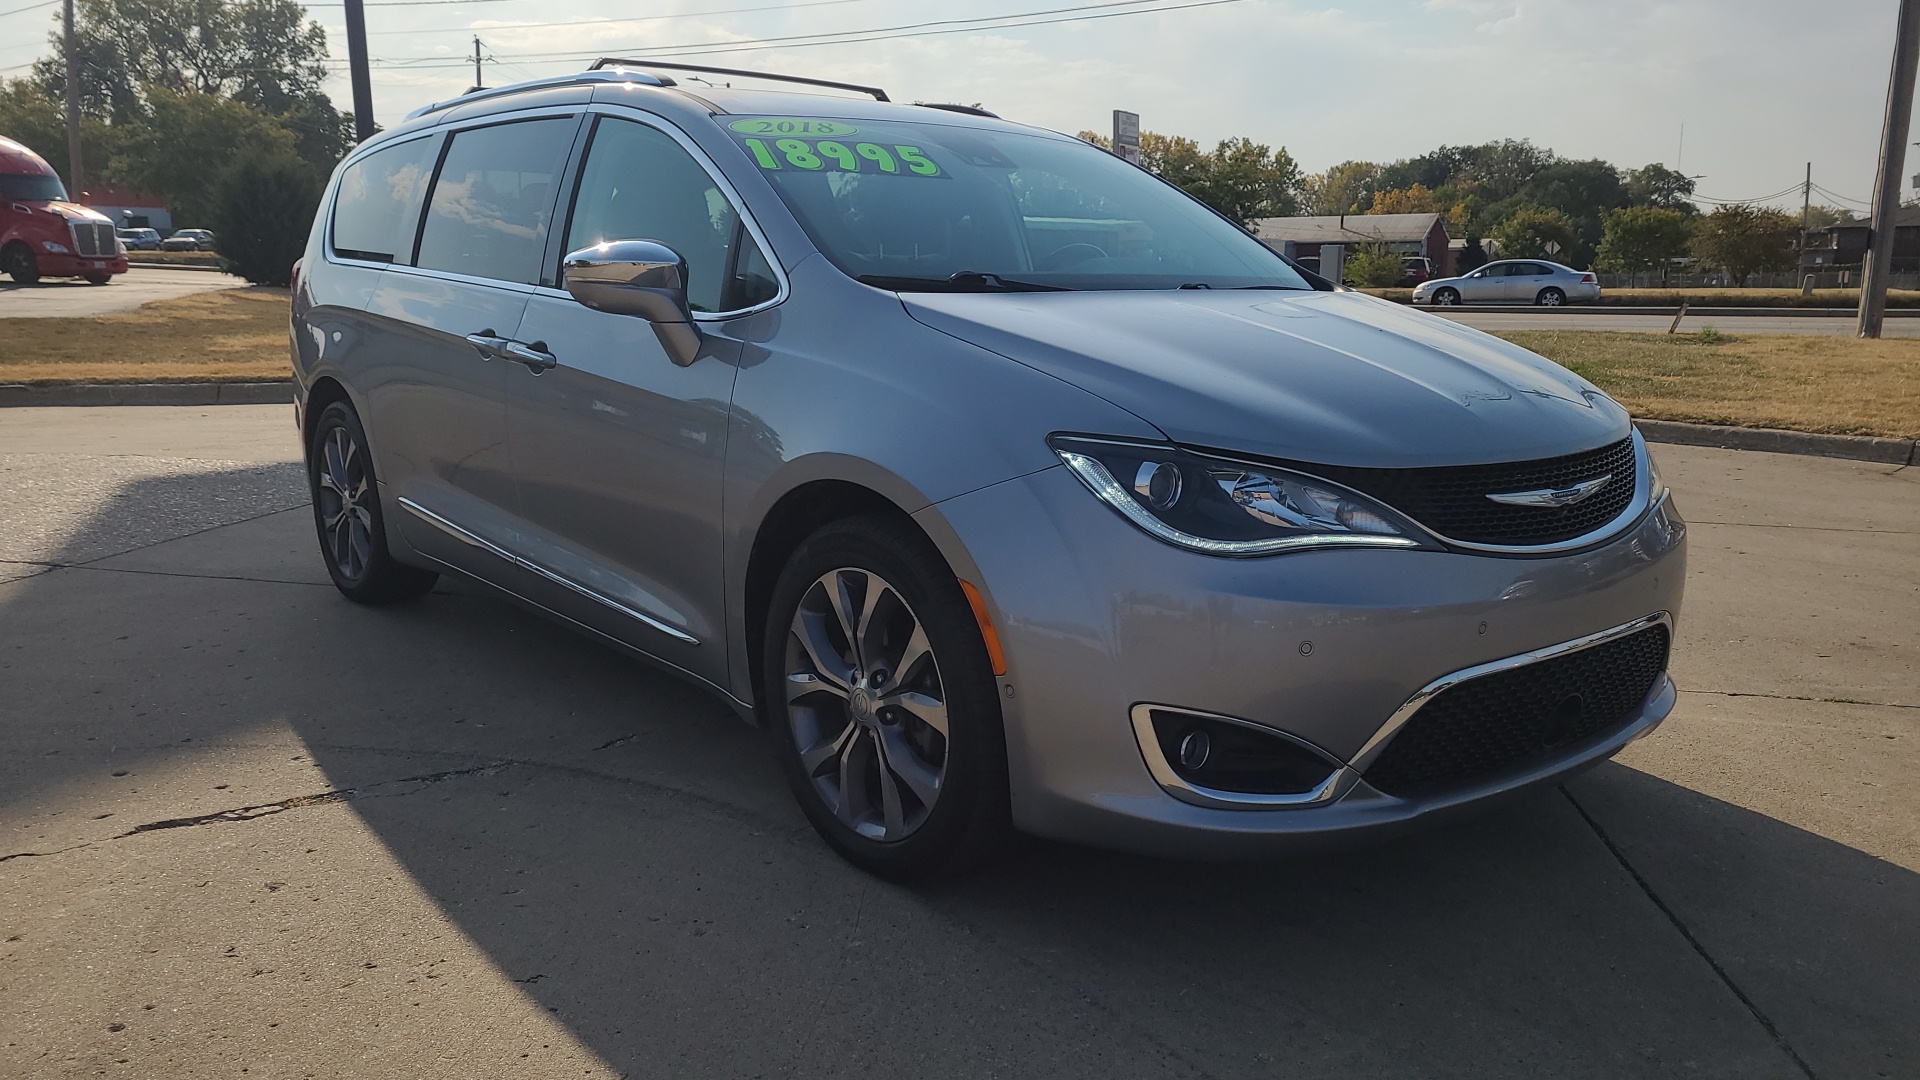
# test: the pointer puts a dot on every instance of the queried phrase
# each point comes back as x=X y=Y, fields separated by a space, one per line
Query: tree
x=1582 y=190
x=1344 y=189
x=28 y=117
x=1375 y=266
x=190 y=138
x=1642 y=238
x=1821 y=217
x=262 y=209
x=1498 y=170
x=1178 y=161
x=1472 y=256
x=1417 y=199
x=1246 y=180
x=1526 y=232
x=1744 y=240
x=1657 y=185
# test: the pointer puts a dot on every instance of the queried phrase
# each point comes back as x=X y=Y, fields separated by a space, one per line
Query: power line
x=1839 y=197
x=600 y=22
x=29 y=7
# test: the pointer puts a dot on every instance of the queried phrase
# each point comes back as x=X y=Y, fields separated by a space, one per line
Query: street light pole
x=1886 y=187
x=357 y=69
x=76 y=169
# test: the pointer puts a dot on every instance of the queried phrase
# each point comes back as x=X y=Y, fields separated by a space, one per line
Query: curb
x=1775 y=441
x=200 y=267
x=1662 y=309
x=196 y=393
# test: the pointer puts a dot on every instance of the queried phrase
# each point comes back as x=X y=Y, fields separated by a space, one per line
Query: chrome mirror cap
x=642 y=278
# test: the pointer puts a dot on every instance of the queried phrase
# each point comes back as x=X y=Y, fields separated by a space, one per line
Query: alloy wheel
x=345 y=519
x=1446 y=298
x=866 y=704
x=1550 y=298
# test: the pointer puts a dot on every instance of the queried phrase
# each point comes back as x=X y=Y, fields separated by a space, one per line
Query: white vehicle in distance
x=1512 y=281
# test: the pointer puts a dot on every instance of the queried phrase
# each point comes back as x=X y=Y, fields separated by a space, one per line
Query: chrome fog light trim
x=1337 y=783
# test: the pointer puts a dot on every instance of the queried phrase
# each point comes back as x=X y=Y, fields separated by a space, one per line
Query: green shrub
x=262 y=210
x=1373 y=266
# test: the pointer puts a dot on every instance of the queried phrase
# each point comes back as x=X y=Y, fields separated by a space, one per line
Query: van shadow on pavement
x=626 y=850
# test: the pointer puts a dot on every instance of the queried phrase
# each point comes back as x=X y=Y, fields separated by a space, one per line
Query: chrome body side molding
x=470 y=538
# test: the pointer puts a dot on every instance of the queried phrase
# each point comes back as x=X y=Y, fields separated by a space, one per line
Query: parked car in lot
x=140 y=239
x=1513 y=281
x=188 y=240
x=42 y=234
x=1007 y=486
x=1416 y=269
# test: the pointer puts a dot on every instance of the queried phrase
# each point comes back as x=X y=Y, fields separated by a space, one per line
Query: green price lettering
x=835 y=155
x=878 y=155
x=841 y=156
x=799 y=153
x=761 y=155
x=917 y=161
x=792 y=125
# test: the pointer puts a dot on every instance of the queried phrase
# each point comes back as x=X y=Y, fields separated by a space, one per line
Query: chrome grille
x=93 y=239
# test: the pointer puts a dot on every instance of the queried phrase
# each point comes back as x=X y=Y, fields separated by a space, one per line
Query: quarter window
x=638 y=184
x=379 y=195
x=494 y=200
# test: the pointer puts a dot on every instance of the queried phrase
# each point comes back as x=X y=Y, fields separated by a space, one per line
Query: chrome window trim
x=1405 y=713
x=458 y=278
x=635 y=115
x=1338 y=782
x=473 y=539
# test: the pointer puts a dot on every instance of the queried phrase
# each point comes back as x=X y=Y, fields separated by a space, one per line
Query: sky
x=1741 y=93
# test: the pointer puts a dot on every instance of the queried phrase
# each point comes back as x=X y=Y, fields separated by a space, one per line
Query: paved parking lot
x=251 y=829
x=72 y=298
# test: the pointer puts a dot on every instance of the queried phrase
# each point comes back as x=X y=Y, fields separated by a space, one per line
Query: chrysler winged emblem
x=1554 y=497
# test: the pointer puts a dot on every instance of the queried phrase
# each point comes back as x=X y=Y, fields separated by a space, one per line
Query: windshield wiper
x=964 y=281
x=1242 y=288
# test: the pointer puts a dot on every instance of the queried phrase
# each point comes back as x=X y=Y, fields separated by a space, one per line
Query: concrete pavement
x=1657 y=324
x=73 y=298
x=247 y=825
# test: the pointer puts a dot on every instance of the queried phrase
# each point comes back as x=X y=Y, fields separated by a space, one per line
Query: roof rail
x=612 y=61
x=970 y=110
x=538 y=84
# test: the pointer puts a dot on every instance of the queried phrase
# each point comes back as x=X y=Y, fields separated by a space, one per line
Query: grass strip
x=228 y=335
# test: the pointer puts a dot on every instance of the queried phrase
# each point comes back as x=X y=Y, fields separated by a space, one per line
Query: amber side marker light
x=994 y=655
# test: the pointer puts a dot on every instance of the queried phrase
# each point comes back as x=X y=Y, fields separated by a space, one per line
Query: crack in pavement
x=1807 y=528
x=1796 y=697
x=163 y=573
x=1673 y=917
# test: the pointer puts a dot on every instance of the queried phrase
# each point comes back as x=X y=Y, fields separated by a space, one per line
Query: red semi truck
x=44 y=235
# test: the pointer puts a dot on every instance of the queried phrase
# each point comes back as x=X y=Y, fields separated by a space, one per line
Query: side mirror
x=642 y=278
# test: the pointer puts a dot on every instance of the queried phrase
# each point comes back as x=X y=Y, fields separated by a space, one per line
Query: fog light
x=1194 y=748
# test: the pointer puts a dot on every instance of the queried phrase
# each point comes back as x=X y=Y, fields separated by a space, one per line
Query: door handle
x=534 y=356
x=487 y=343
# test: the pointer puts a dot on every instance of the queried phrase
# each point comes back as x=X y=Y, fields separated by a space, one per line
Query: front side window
x=639 y=184
x=928 y=205
x=493 y=201
x=379 y=195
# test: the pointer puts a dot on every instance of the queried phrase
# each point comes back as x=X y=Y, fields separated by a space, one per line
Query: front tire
x=1446 y=298
x=20 y=264
x=882 y=703
x=1550 y=298
x=348 y=517
x=98 y=279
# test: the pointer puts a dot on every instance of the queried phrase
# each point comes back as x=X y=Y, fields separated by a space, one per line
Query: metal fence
x=1843 y=278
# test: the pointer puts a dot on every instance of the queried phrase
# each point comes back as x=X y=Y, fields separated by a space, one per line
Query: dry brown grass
x=231 y=335
x=1837 y=385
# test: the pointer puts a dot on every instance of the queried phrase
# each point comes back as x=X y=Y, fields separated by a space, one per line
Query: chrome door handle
x=535 y=356
x=488 y=344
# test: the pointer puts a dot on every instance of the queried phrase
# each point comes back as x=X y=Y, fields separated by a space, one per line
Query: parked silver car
x=1005 y=485
x=1512 y=281
x=189 y=240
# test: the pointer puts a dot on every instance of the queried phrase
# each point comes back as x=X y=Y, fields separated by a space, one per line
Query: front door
x=618 y=450
x=439 y=384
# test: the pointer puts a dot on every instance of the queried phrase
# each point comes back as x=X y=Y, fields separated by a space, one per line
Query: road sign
x=1553 y=247
x=1126 y=135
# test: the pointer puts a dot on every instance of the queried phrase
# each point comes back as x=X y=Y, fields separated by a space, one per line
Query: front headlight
x=57 y=249
x=1223 y=507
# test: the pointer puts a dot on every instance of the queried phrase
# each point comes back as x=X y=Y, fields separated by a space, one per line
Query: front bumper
x=1096 y=617
x=58 y=265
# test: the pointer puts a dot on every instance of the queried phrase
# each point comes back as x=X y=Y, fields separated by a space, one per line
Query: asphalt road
x=1895 y=326
x=252 y=829
x=71 y=297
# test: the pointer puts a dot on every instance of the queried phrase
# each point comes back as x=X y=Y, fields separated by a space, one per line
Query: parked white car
x=1512 y=281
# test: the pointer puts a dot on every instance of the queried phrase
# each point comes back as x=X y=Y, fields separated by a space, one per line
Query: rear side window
x=493 y=201
x=379 y=195
x=639 y=184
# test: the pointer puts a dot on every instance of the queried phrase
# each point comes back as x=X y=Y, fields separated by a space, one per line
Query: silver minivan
x=1005 y=486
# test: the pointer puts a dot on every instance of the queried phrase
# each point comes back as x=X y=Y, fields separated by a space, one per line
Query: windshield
x=32 y=187
x=929 y=206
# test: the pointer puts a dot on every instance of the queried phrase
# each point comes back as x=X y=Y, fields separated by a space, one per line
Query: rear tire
x=20 y=264
x=1550 y=298
x=1446 y=298
x=99 y=279
x=348 y=517
x=856 y=719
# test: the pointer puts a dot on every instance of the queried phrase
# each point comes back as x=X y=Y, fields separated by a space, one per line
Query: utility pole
x=1886 y=187
x=478 y=83
x=76 y=169
x=357 y=69
x=1806 y=205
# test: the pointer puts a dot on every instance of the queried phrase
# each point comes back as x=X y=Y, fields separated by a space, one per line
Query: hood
x=76 y=212
x=1335 y=378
